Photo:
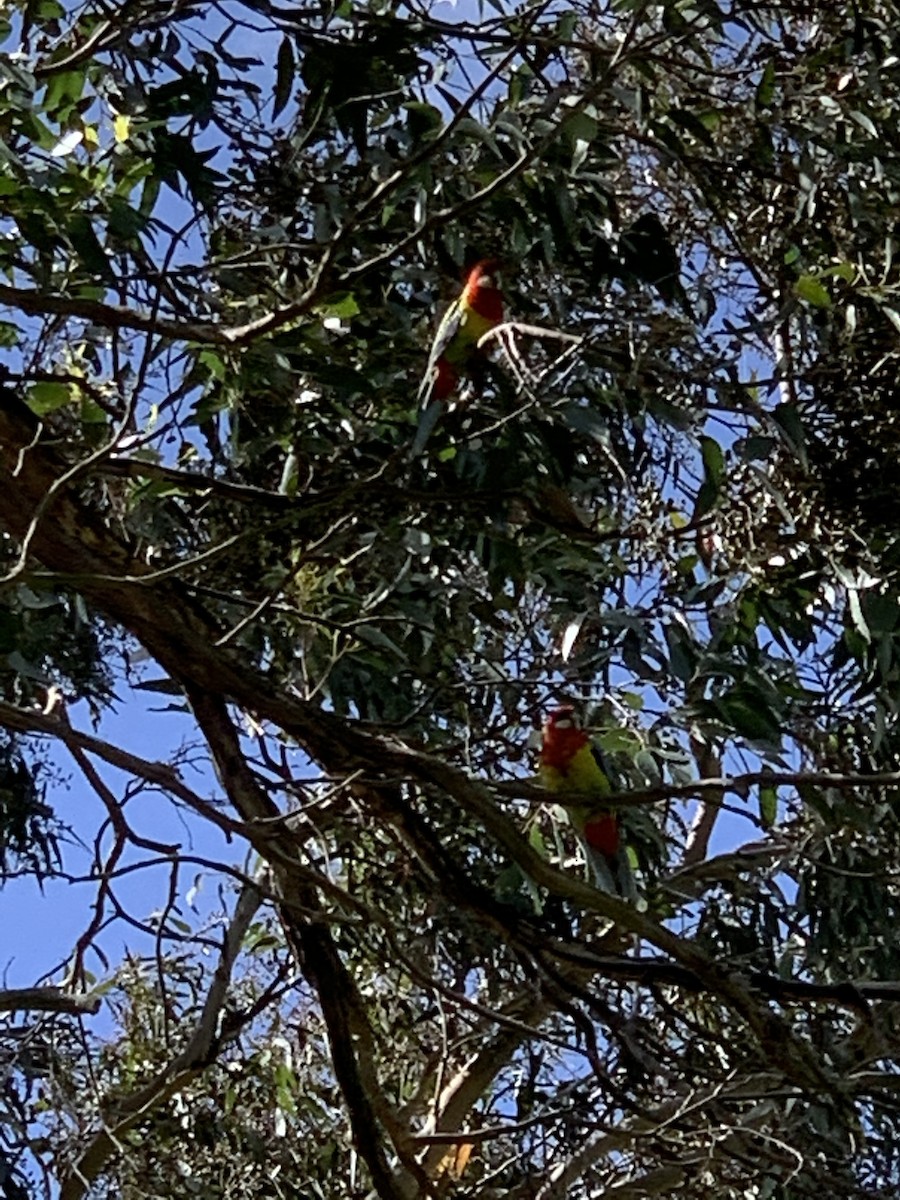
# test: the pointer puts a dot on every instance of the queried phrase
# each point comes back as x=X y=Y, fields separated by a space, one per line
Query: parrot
x=477 y=309
x=569 y=763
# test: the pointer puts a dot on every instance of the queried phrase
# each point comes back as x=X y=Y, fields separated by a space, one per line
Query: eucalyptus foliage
x=227 y=232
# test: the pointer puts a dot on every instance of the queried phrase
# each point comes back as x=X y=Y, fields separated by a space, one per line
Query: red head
x=481 y=291
x=563 y=737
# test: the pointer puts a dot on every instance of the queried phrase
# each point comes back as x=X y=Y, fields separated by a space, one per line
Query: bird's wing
x=446 y=332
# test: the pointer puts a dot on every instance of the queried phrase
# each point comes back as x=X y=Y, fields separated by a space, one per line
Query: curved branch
x=158 y=774
x=741 y=785
x=111 y=316
x=198 y=1054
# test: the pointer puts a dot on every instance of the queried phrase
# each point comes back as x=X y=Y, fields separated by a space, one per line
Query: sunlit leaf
x=813 y=291
x=44 y=398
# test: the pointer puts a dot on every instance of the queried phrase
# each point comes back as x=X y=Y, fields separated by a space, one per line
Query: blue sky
x=42 y=924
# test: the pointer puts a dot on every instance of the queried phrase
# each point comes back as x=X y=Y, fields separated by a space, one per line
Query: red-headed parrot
x=570 y=764
x=477 y=309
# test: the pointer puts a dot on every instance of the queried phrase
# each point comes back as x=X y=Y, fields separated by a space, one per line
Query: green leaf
x=682 y=658
x=865 y=122
x=710 y=118
x=43 y=398
x=713 y=460
x=749 y=716
x=765 y=89
x=566 y=26
x=768 y=805
x=342 y=304
x=692 y=124
x=788 y=421
x=756 y=448
x=374 y=636
x=856 y=615
x=842 y=270
x=619 y=741
x=88 y=248
x=581 y=127
x=536 y=840
x=9 y=335
x=91 y=413
x=285 y=75
x=124 y=222
x=814 y=292
x=882 y=612
x=290 y=475
x=175 y=158
x=423 y=120
x=63 y=91
x=48 y=10
x=213 y=362
x=713 y=474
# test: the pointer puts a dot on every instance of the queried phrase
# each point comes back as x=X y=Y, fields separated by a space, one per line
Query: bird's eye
x=562 y=723
x=486 y=281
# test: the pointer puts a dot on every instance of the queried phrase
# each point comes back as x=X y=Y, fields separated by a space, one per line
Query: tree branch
x=349 y=1033
x=112 y=316
x=161 y=775
x=741 y=785
x=193 y=1059
x=46 y=999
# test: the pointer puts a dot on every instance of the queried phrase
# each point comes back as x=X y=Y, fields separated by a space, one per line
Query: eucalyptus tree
x=667 y=497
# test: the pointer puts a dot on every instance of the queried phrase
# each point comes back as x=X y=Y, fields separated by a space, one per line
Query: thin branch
x=850 y=994
x=194 y=481
x=526 y=789
x=111 y=316
x=47 y=999
x=709 y=763
x=161 y=775
x=198 y=1054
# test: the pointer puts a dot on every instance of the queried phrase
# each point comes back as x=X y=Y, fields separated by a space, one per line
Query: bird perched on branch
x=571 y=765
x=454 y=351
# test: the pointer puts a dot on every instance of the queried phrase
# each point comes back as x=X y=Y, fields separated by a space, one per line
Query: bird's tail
x=428 y=419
